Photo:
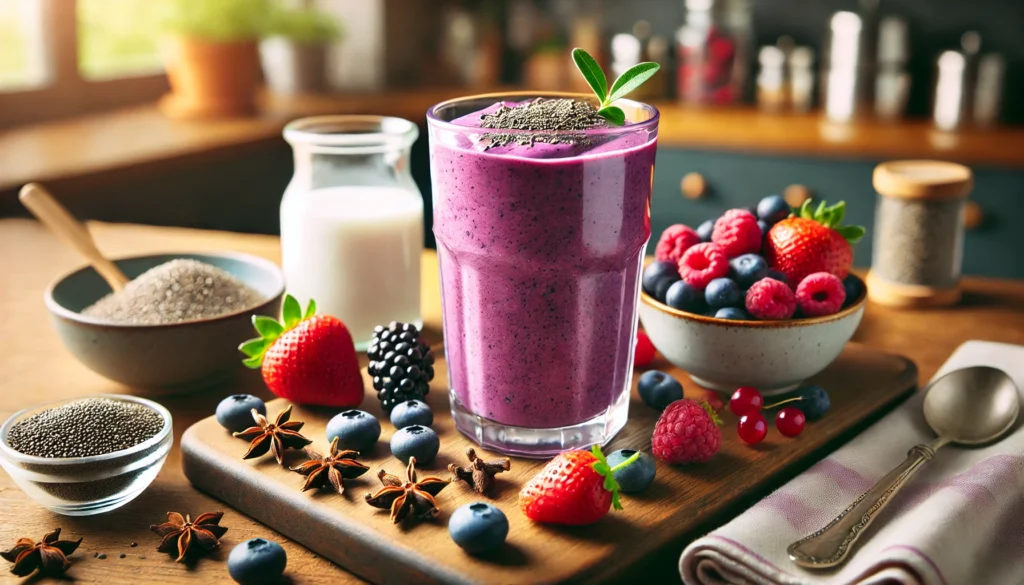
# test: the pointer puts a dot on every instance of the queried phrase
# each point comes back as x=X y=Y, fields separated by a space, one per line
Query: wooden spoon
x=56 y=217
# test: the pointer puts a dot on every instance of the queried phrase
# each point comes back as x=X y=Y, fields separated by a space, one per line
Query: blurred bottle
x=843 y=88
x=892 y=82
x=988 y=89
x=713 y=49
x=629 y=49
x=801 y=78
x=586 y=34
x=950 y=103
x=771 y=79
x=471 y=47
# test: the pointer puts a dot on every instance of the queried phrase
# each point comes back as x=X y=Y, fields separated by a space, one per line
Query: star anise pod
x=331 y=469
x=189 y=538
x=277 y=437
x=479 y=474
x=414 y=498
x=49 y=556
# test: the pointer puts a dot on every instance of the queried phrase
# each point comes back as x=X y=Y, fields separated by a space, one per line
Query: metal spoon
x=971 y=406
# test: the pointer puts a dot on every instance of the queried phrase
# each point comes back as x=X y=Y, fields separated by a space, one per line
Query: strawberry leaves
x=608 y=472
x=832 y=218
x=270 y=329
x=630 y=79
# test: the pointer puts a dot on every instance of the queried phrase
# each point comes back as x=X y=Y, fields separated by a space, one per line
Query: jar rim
x=351 y=131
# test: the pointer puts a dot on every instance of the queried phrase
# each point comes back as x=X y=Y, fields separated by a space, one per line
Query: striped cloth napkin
x=959 y=521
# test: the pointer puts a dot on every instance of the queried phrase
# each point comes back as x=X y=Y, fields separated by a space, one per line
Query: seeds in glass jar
x=92 y=426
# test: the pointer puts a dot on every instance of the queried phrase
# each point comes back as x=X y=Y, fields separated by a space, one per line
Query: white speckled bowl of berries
x=772 y=356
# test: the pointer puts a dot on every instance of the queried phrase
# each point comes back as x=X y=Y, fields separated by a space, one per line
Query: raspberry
x=703 y=263
x=687 y=432
x=737 y=233
x=770 y=299
x=821 y=294
x=644 y=352
x=674 y=242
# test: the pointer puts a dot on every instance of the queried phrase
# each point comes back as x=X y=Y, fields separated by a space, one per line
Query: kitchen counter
x=35 y=368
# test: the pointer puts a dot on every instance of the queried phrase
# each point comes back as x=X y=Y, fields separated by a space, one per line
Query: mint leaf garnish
x=631 y=79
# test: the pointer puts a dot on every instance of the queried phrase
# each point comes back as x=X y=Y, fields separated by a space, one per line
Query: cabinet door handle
x=796 y=194
x=694 y=186
x=974 y=215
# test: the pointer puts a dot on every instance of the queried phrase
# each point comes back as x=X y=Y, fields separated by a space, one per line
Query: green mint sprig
x=630 y=79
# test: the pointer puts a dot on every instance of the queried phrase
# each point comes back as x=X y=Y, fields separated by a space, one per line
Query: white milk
x=356 y=250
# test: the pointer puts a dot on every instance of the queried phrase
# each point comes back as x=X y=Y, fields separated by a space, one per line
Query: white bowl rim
x=765 y=324
x=10 y=454
x=63 y=312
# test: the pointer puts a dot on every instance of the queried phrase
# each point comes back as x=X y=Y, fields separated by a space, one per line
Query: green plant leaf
x=269 y=328
x=291 y=314
x=254 y=347
x=613 y=114
x=631 y=79
x=310 y=309
x=253 y=363
x=805 y=210
x=819 y=213
x=592 y=73
x=838 y=213
x=852 y=233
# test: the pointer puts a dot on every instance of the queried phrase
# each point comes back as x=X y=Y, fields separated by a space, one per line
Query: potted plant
x=212 y=58
x=295 y=53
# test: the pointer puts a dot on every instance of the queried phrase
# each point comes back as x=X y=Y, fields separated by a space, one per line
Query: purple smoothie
x=540 y=250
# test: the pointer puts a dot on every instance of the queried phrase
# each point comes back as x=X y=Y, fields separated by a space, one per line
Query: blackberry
x=400 y=363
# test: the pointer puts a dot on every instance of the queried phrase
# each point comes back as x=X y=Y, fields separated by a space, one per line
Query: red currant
x=790 y=421
x=752 y=428
x=643 y=355
x=745 y=399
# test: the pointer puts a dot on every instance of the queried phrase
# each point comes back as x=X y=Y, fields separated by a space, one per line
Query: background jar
x=919 y=233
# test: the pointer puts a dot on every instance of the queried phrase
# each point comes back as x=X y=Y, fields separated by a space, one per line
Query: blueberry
x=635 y=477
x=478 y=527
x=257 y=561
x=234 y=413
x=355 y=430
x=412 y=412
x=658 y=276
x=722 y=292
x=685 y=297
x=705 y=229
x=775 y=274
x=747 y=269
x=814 y=402
x=854 y=288
x=657 y=389
x=733 y=313
x=415 y=441
x=773 y=209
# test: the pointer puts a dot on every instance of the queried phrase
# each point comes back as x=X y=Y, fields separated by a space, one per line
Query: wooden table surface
x=35 y=368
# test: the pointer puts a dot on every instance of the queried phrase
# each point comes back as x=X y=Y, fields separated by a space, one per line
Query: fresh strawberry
x=812 y=242
x=573 y=489
x=306 y=358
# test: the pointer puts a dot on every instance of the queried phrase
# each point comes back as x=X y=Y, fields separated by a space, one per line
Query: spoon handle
x=56 y=217
x=830 y=546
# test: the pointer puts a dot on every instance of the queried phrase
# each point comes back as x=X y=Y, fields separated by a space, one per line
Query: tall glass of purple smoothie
x=540 y=236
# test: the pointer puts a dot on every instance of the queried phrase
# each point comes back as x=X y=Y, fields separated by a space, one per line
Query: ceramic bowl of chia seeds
x=176 y=326
x=88 y=455
x=772 y=356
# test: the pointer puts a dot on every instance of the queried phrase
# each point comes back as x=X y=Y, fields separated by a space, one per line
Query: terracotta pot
x=213 y=78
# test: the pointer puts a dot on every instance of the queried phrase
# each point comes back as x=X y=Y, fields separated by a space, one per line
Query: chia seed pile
x=174 y=292
x=93 y=426
x=553 y=115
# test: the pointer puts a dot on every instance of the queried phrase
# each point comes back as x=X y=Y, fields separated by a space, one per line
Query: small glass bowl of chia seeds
x=89 y=455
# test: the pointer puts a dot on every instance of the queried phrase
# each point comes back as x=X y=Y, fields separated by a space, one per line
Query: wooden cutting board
x=644 y=539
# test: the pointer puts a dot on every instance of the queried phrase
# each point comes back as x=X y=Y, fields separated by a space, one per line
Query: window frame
x=65 y=91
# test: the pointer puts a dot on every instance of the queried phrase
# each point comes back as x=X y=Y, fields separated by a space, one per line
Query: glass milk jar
x=352 y=221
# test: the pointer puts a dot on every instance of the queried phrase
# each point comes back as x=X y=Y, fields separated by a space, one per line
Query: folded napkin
x=960 y=520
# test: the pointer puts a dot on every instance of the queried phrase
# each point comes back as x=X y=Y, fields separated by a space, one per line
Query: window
x=21 y=49
x=117 y=38
x=60 y=58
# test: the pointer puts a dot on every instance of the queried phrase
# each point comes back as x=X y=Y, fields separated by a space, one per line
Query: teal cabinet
x=996 y=248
